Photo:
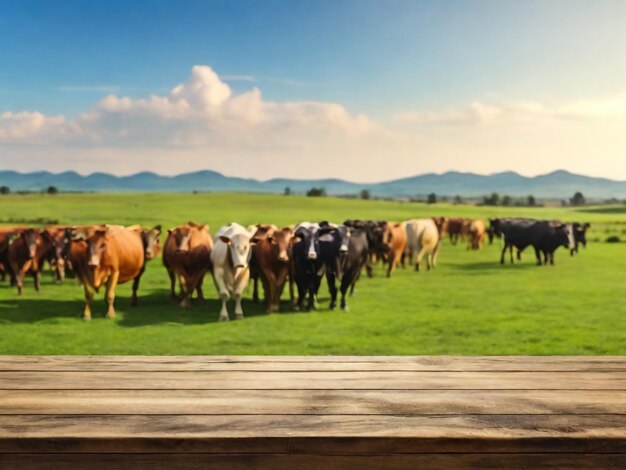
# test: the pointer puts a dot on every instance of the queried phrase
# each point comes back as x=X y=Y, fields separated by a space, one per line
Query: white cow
x=231 y=270
x=422 y=238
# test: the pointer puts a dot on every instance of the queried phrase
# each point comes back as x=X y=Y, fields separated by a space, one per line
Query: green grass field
x=470 y=305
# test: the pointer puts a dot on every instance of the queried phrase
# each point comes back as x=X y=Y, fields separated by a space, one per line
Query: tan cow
x=422 y=239
x=187 y=255
x=108 y=255
x=476 y=234
x=394 y=239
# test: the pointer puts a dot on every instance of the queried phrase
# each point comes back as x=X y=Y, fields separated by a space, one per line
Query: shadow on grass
x=488 y=267
x=153 y=309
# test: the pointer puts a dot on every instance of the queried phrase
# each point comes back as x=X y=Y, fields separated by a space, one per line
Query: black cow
x=547 y=236
x=307 y=267
x=544 y=236
x=580 y=236
x=374 y=231
x=514 y=232
x=334 y=251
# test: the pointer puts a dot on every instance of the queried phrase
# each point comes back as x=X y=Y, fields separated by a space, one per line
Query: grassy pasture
x=469 y=305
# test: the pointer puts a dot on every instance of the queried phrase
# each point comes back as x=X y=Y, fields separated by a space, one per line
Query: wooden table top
x=286 y=412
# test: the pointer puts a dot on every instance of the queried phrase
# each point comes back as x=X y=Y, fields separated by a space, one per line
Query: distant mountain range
x=558 y=184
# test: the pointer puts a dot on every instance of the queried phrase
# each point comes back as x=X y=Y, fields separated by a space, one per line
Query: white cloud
x=477 y=113
x=202 y=123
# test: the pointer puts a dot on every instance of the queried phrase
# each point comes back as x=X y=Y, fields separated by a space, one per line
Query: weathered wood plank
x=312 y=434
x=314 y=363
x=316 y=462
x=314 y=380
x=312 y=402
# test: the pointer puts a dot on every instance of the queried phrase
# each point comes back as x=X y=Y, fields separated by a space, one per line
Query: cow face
x=181 y=236
x=239 y=250
x=31 y=239
x=564 y=235
x=150 y=239
x=308 y=236
x=340 y=234
x=96 y=247
x=282 y=239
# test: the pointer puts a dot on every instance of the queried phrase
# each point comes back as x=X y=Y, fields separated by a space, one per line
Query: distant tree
x=364 y=194
x=316 y=192
x=5 y=190
x=431 y=198
x=287 y=191
x=507 y=200
x=578 y=199
x=52 y=190
x=492 y=200
x=457 y=199
x=530 y=200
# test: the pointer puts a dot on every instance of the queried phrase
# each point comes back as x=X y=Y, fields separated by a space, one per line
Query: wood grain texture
x=312 y=412
x=312 y=402
x=315 y=363
x=315 y=462
x=306 y=380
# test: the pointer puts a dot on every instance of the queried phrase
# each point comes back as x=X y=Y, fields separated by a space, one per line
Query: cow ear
x=157 y=228
x=225 y=239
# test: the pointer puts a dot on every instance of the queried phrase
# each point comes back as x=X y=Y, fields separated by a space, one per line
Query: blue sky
x=432 y=79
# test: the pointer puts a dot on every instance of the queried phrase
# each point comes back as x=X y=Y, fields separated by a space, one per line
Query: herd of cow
x=301 y=255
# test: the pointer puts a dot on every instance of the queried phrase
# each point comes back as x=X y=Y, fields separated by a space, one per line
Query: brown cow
x=457 y=229
x=270 y=262
x=187 y=254
x=6 y=236
x=394 y=238
x=476 y=234
x=25 y=253
x=60 y=238
x=111 y=255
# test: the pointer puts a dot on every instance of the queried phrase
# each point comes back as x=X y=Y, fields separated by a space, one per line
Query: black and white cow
x=580 y=236
x=307 y=267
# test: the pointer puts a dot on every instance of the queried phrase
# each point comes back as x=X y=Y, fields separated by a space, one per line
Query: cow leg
x=503 y=254
x=255 y=289
x=538 y=255
x=420 y=255
x=172 y=276
x=19 y=281
x=37 y=279
x=110 y=294
x=238 y=309
x=435 y=254
x=332 y=288
x=552 y=258
x=199 y=292
x=185 y=292
x=224 y=311
x=136 y=281
x=511 y=253
x=88 y=300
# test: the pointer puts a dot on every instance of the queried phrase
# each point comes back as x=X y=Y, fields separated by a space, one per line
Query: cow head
x=31 y=239
x=239 y=242
x=282 y=240
x=580 y=235
x=306 y=233
x=442 y=224
x=150 y=239
x=181 y=236
x=564 y=235
x=338 y=234
x=96 y=247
